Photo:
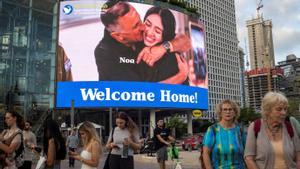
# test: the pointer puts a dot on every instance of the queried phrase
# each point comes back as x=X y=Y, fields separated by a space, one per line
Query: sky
x=285 y=16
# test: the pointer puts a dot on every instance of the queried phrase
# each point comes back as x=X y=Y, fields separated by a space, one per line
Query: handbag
x=106 y=165
x=41 y=163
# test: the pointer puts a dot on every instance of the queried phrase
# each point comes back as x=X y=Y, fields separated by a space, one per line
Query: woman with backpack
x=223 y=144
x=11 y=144
x=272 y=142
x=54 y=144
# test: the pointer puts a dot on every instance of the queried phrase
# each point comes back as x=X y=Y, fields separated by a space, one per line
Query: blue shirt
x=226 y=145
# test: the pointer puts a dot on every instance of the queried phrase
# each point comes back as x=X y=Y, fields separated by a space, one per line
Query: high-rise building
x=260 y=81
x=290 y=83
x=28 y=37
x=243 y=79
x=222 y=50
x=260 y=43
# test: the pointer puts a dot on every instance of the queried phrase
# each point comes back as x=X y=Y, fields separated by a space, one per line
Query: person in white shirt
x=29 y=139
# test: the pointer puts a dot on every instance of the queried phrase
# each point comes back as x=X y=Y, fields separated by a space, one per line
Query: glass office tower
x=27 y=56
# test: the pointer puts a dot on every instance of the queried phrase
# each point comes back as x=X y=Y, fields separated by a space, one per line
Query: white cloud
x=287 y=42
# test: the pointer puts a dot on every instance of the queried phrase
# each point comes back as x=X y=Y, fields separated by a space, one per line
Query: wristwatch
x=167 y=46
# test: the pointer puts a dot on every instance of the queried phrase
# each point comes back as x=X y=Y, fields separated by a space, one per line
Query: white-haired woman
x=270 y=144
x=90 y=155
x=223 y=144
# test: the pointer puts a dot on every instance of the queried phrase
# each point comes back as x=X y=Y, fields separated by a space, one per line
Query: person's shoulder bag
x=106 y=165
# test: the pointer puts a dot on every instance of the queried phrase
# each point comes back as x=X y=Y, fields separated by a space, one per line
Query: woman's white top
x=87 y=156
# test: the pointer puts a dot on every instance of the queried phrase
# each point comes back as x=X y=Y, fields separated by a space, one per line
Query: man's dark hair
x=30 y=123
x=111 y=11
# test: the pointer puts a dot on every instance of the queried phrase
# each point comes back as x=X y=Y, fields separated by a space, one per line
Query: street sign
x=197 y=113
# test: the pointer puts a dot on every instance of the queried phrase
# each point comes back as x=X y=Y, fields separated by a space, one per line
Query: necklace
x=275 y=129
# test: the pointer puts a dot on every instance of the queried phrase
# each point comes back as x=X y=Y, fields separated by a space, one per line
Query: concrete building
x=260 y=43
x=28 y=36
x=224 y=70
x=243 y=79
x=260 y=81
x=290 y=83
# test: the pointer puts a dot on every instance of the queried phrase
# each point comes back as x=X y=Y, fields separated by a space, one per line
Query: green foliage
x=248 y=114
x=293 y=106
x=178 y=3
x=176 y=123
x=192 y=10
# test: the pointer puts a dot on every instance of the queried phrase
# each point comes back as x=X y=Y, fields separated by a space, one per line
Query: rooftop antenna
x=259 y=6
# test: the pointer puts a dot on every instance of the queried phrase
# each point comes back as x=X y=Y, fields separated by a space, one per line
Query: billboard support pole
x=72 y=114
x=152 y=122
x=110 y=119
x=190 y=122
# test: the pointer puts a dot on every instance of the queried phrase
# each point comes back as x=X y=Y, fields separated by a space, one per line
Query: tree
x=294 y=104
x=176 y=124
x=248 y=114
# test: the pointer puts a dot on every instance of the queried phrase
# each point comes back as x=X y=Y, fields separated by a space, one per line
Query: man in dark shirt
x=117 y=52
x=161 y=138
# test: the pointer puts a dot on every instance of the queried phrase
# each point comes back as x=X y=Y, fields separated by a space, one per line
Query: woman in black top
x=54 y=144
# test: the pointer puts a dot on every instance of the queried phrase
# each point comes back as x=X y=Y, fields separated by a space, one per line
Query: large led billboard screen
x=126 y=54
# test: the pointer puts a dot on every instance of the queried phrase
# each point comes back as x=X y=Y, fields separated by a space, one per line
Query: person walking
x=90 y=155
x=162 y=139
x=54 y=144
x=11 y=140
x=223 y=144
x=123 y=142
x=272 y=141
x=29 y=143
x=72 y=144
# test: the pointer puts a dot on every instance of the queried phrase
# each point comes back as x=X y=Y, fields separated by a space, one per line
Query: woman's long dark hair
x=51 y=130
x=167 y=19
x=20 y=121
x=130 y=124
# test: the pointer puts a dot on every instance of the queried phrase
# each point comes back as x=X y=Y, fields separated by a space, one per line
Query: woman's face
x=10 y=120
x=153 y=30
x=83 y=134
x=278 y=113
x=121 y=123
x=227 y=112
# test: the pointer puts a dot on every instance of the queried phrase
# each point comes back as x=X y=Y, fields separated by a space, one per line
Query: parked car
x=192 y=142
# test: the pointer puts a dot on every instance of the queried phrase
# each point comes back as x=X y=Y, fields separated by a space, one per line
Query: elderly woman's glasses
x=227 y=109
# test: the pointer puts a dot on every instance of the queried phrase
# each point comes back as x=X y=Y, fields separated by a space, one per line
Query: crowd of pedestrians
x=271 y=142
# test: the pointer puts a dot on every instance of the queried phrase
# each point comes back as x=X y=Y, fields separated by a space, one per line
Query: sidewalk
x=189 y=160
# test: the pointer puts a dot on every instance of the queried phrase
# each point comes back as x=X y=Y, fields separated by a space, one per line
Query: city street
x=189 y=160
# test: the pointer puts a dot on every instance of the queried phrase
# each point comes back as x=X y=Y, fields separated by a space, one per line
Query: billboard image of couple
x=110 y=41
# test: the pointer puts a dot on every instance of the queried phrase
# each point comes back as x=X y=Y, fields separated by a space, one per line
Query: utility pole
x=72 y=113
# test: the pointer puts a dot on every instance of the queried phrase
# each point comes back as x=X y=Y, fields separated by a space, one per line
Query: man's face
x=132 y=27
x=160 y=123
x=27 y=126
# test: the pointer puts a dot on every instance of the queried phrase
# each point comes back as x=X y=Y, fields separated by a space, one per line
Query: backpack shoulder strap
x=214 y=128
x=289 y=126
x=241 y=133
x=112 y=134
x=257 y=126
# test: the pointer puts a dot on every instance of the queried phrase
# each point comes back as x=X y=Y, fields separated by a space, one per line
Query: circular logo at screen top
x=68 y=9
